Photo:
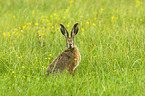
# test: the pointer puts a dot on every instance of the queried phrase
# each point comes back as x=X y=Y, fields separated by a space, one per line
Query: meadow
x=110 y=40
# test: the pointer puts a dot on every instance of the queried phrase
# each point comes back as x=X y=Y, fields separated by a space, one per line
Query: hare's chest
x=77 y=58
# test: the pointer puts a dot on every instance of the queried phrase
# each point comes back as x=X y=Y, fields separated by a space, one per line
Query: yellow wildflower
x=13 y=32
x=28 y=24
x=42 y=33
x=54 y=14
x=117 y=11
x=42 y=16
x=66 y=10
x=19 y=28
x=94 y=24
x=55 y=29
x=24 y=27
x=38 y=32
x=82 y=29
x=70 y=2
x=63 y=17
x=14 y=16
x=101 y=9
x=36 y=24
x=4 y=34
x=49 y=23
x=113 y=17
x=67 y=25
x=33 y=11
x=87 y=22
x=43 y=19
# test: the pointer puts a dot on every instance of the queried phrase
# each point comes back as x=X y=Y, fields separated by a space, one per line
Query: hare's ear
x=75 y=30
x=64 y=31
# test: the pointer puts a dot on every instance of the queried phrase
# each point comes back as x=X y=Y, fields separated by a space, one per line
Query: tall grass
x=110 y=40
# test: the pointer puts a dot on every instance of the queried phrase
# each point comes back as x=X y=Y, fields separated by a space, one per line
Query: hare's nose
x=70 y=45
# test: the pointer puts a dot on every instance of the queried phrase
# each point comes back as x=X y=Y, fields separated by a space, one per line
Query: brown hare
x=68 y=59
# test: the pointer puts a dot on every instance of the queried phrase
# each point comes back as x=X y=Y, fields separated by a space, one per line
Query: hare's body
x=68 y=59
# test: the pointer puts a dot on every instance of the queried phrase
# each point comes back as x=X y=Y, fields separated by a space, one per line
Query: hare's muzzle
x=70 y=46
x=70 y=43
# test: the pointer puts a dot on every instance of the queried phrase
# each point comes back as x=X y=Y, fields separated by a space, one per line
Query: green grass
x=110 y=40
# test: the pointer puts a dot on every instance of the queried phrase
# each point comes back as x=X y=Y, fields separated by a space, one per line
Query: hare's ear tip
x=61 y=25
x=76 y=24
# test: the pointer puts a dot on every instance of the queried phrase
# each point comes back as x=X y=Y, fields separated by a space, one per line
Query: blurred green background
x=110 y=40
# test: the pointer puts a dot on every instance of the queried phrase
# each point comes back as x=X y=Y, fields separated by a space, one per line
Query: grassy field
x=110 y=40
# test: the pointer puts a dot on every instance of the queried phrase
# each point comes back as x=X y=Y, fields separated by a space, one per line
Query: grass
x=110 y=40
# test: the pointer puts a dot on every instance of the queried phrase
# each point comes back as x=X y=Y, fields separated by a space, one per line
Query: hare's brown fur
x=68 y=59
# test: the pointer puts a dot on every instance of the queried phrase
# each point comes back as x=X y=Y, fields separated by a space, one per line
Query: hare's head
x=69 y=40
